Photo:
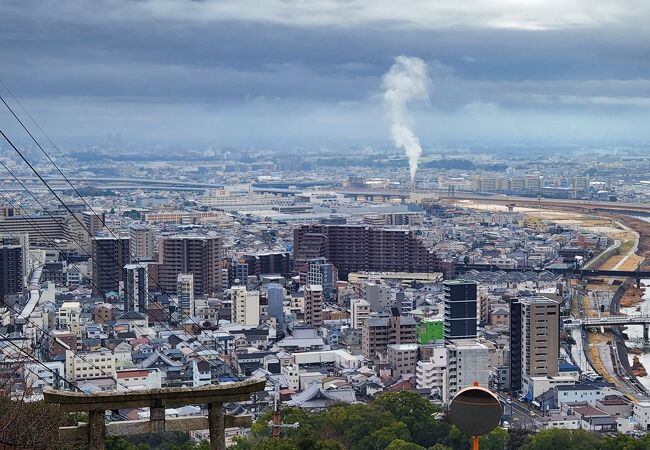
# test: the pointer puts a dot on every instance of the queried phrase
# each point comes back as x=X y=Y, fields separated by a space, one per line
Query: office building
x=314 y=305
x=239 y=273
x=534 y=339
x=68 y=315
x=136 y=288
x=198 y=255
x=460 y=309
x=353 y=248
x=380 y=331
x=467 y=363
x=89 y=365
x=402 y=358
x=245 y=308
x=110 y=255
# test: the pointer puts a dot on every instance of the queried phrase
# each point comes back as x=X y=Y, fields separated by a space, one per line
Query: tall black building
x=268 y=263
x=460 y=309
x=515 y=344
x=11 y=270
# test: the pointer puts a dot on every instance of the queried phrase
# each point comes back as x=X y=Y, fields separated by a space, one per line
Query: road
x=520 y=414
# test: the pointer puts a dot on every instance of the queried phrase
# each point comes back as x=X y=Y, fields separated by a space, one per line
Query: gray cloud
x=247 y=70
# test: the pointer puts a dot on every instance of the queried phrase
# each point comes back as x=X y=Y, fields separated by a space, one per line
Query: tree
x=399 y=444
x=495 y=440
x=439 y=447
x=417 y=413
x=352 y=424
x=456 y=439
x=517 y=437
x=554 y=439
x=624 y=442
x=381 y=438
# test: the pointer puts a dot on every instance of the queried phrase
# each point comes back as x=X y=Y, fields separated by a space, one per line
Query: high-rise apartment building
x=11 y=270
x=314 y=305
x=516 y=344
x=322 y=273
x=185 y=293
x=268 y=263
x=468 y=361
x=42 y=230
x=379 y=296
x=198 y=255
x=93 y=222
x=378 y=332
x=460 y=309
x=136 y=288
x=142 y=242
x=110 y=255
x=537 y=331
x=430 y=374
x=353 y=248
x=245 y=308
x=359 y=312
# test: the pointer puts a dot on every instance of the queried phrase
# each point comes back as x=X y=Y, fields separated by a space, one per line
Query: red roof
x=132 y=373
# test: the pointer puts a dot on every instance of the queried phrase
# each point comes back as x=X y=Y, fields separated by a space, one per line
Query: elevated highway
x=612 y=321
x=638 y=275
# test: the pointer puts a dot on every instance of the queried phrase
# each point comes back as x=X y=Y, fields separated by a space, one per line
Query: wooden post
x=475 y=441
x=276 y=425
x=96 y=430
x=217 y=426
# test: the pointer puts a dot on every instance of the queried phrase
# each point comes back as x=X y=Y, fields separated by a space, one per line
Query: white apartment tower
x=467 y=362
x=185 y=293
x=359 y=312
x=245 y=308
x=431 y=374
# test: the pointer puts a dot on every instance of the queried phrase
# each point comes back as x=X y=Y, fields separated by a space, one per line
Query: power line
x=131 y=256
x=42 y=329
x=87 y=253
x=32 y=357
x=57 y=376
x=68 y=208
x=38 y=126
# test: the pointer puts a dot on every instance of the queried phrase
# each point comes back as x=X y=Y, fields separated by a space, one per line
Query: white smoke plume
x=406 y=81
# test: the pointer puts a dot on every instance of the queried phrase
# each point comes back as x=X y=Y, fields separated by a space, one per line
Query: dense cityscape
x=331 y=290
x=324 y=225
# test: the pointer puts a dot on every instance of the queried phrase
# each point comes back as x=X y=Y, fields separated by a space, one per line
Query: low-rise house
x=578 y=393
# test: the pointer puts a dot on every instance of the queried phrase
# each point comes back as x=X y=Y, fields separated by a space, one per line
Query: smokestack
x=406 y=81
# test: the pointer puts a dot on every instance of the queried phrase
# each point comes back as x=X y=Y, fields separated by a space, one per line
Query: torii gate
x=96 y=405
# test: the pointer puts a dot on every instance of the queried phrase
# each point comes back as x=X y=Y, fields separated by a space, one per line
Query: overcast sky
x=246 y=72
